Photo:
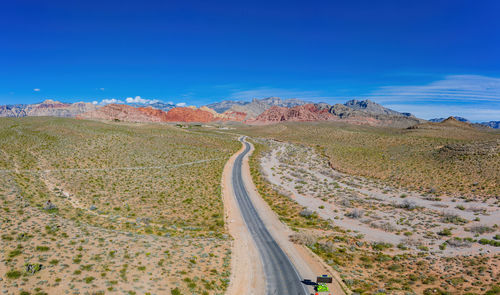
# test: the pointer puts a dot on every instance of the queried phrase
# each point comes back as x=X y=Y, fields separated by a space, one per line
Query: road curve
x=281 y=276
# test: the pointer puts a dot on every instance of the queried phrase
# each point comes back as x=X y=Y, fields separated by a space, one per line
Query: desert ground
x=380 y=237
x=94 y=207
x=101 y=207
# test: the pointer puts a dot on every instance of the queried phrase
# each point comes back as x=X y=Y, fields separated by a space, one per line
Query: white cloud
x=36 y=89
x=180 y=104
x=102 y=89
x=141 y=100
x=95 y=102
x=109 y=101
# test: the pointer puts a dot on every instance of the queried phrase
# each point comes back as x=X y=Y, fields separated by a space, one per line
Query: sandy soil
x=307 y=263
x=313 y=184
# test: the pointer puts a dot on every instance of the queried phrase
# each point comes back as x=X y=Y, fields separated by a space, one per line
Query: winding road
x=281 y=275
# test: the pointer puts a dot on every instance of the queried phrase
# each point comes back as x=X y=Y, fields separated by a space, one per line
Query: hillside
x=46 y=108
x=97 y=207
x=353 y=112
x=430 y=160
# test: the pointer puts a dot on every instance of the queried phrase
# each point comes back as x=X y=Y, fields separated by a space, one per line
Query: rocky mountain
x=450 y=122
x=129 y=113
x=126 y=113
x=301 y=113
x=258 y=111
x=354 y=112
x=437 y=120
x=373 y=108
x=222 y=106
x=157 y=105
x=492 y=124
x=256 y=106
x=47 y=108
x=188 y=114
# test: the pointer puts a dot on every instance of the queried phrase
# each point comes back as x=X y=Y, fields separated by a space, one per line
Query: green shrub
x=13 y=274
x=42 y=248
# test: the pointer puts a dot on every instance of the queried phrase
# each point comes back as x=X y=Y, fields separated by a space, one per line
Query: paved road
x=281 y=276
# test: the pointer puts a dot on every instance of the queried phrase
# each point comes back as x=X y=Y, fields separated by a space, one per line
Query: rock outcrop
x=340 y=113
x=189 y=114
x=256 y=106
x=47 y=108
x=126 y=113
x=302 y=113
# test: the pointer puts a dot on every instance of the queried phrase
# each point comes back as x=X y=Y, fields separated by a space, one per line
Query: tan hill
x=49 y=108
x=450 y=122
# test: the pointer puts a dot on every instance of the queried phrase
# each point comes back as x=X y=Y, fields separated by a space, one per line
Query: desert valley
x=127 y=199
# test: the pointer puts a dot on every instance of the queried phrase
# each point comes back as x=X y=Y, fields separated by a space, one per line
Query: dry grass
x=145 y=230
x=463 y=162
x=374 y=267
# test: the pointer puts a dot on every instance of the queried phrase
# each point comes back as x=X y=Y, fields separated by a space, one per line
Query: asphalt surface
x=281 y=276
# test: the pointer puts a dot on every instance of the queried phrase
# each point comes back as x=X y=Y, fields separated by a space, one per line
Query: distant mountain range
x=47 y=108
x=258 y=111
x=492 y=124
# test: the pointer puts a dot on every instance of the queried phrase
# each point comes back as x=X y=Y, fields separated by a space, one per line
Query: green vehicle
x=321 y=287
x=322 y=282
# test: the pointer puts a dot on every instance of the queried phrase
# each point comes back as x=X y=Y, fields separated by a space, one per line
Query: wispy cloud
x=474 y=97
x=426 y=111
x=467 y=88
x=36 y=89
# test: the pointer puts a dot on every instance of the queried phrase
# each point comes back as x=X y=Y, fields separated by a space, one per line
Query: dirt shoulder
x=247 y=274
x=307 y=263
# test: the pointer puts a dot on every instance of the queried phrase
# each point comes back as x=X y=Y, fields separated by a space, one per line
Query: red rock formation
x=186 y=114
x=234 y=116
x=149 y=114
x=303 y=113
x=125 y=113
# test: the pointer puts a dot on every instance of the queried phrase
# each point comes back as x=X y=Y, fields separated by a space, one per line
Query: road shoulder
x=308 y=264
x=247 y=274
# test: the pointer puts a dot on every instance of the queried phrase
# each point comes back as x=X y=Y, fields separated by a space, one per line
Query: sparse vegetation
x=98 y=203
x=428 y=232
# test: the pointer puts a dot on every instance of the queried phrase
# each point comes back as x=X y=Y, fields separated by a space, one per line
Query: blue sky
x=431 y=58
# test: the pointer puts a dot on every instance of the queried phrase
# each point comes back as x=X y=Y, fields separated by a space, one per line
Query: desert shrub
x=356 y=213
x=481 y=229
x=449 y=217
x=303 y=239
x=489 y=242
x=380 y=246
x=445 y=232
x=407 y=204
x=13 y=274
x=42 y=248
x=458 y=243
x=307 y=213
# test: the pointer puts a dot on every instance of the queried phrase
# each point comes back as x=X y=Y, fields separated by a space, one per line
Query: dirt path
x=246 y=265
